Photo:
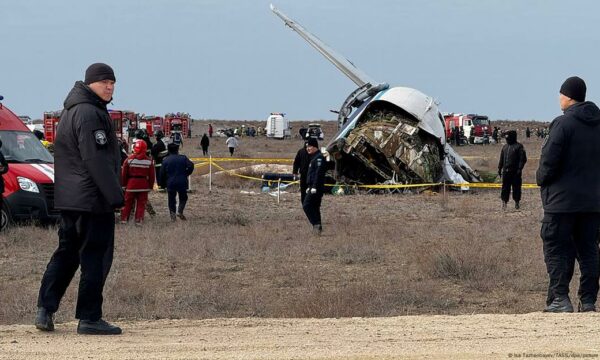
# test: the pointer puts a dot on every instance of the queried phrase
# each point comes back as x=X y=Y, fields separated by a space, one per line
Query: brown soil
x=534 y=335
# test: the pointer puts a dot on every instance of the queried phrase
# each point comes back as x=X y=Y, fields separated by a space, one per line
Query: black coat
x=568 y=173
x=86 y=155
x=301 y=163
x=159 y=151
x=316 y=172
x=512 y=157
x=3 y=170
x=204 y=142
x=175 y=170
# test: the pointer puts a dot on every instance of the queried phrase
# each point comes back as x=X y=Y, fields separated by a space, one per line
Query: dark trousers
x=567 y=237
x=157 y=173
x=303 y=187
x=86 y=240
x=312 y=208
x=205 y=150
x=183 y=197
x=511 y=180
x=231 y=150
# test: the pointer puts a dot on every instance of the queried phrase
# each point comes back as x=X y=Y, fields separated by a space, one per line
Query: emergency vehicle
x=122 y=120
x=51 y=119
x=177 y=123
x=29 y=182
x=278 y=126
x=152 y=124
x=475 y=127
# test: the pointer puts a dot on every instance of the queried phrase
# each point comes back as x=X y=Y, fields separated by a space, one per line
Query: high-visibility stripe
x=46 y=170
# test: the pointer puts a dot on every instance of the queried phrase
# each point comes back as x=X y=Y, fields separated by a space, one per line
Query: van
x=278 y=126
x=29 y=182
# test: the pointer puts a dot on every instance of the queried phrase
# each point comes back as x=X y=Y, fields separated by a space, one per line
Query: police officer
x=300 y=169
x=569 y=177
x=315 y=181
x=87 y=192
x=510 y=168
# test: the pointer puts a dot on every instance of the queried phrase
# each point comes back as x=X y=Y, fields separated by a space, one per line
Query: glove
x=313 y=191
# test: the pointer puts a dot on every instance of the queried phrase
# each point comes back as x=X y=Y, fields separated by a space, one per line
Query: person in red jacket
x=137 y=175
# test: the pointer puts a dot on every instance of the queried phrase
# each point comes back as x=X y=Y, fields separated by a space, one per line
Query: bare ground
x=532 y=335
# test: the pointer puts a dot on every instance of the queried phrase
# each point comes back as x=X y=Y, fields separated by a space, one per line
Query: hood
x=587 y=112
x=80 y=94
x=38 y=173
x=511 y=137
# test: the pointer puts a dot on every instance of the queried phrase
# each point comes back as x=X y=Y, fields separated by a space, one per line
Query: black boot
x=504 y=205
x=44 y=320
x=559 y=305
x=99 y=327
x=517 y=206
x=586 y=307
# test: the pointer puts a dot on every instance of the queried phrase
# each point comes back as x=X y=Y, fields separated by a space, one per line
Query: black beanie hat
x=574 y=87
x=173 y=148
x=312 y=142
x=99 y=72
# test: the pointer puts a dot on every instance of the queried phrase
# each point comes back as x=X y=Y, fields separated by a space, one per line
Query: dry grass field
x=245 y=255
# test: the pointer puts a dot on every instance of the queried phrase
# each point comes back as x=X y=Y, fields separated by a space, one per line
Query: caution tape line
x=262 y=160
x=376 y=186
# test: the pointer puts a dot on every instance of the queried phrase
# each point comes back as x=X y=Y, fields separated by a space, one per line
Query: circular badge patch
x=100 y=137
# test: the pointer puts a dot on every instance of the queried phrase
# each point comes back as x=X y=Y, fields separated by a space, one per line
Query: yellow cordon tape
x=206 y=161
x=261 y=160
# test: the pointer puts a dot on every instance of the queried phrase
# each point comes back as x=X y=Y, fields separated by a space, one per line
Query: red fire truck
x=151 y=123
x=122 y=120
x=475 y=127
x=51 y=119
x=177 y=123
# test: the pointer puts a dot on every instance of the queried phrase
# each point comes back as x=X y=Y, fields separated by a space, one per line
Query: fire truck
x=122 y=120
x=475 y=127
x=51 y=119
x=177 y=123
x=151 y=123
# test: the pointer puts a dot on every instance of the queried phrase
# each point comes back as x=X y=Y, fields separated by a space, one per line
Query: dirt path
x=534 y=335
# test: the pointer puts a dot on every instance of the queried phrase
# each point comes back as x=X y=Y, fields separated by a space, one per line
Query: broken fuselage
x=387 y=135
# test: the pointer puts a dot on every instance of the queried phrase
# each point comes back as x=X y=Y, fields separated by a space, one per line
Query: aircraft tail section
x=343 y=64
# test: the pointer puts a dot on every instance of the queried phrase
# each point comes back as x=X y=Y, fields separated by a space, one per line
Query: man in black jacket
x=87 y=192
x=569 y=177
x=159 y=152
x=315 y=181
x=300 y=169
x=510 y=168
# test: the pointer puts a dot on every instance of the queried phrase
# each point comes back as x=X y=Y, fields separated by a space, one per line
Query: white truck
x=278 y=126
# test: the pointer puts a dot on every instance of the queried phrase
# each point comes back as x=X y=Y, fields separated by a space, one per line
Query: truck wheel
x=5 y=218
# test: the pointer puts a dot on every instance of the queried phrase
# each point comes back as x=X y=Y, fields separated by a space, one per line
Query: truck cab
x=29 y=182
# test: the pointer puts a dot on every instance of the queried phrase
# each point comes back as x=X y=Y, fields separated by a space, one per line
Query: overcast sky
x=236 y=60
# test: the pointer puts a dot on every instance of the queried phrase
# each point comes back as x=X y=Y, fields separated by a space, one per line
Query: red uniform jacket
x=137 y=174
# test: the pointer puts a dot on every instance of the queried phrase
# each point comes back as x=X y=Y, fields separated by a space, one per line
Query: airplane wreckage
x=387 y=135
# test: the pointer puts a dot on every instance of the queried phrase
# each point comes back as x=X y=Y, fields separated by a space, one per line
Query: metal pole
x=209 y=173
x=278 y=189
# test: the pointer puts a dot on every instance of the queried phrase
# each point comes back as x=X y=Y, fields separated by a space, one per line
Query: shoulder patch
x=319 y=161
x=100 y=137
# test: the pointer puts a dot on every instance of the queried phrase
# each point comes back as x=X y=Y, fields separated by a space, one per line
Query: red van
x=29 y=182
